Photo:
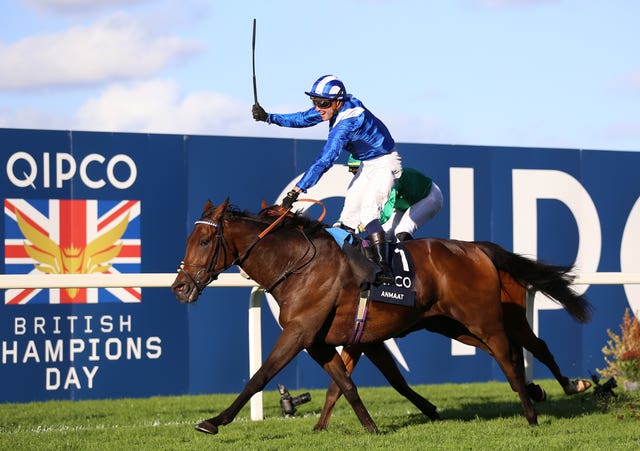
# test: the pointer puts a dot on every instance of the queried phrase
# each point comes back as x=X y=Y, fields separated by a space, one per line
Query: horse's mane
x=293 y=220
x=268 y=215
x=231 y=210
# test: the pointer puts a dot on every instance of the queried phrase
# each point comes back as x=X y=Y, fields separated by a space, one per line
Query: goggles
x=320 y=102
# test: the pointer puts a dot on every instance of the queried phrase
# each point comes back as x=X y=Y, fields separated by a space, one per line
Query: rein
x=238 y=259
x=273 y=224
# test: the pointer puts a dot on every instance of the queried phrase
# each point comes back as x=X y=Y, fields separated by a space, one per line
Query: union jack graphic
x=72 y=237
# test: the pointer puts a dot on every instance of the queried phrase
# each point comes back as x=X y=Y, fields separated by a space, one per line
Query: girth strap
x=361 y=317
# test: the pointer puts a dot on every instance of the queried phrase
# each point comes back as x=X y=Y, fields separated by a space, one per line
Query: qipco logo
x=53 y=170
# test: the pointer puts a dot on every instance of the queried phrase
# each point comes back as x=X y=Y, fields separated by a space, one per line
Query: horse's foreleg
x=350 y=356
x=520 y=332
x=332 y=363
x=286 y=348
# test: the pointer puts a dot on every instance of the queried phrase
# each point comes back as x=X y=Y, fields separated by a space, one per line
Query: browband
x=204 y=221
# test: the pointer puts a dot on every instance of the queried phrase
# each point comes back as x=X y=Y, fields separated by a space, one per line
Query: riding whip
x=253 y=54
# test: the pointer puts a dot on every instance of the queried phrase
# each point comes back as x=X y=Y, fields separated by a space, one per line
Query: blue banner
x=125 y=203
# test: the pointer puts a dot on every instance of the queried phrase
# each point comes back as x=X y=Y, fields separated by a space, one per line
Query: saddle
x=401 y=292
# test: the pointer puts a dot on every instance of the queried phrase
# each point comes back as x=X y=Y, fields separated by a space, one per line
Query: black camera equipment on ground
x=289 y=403
x=604 y=391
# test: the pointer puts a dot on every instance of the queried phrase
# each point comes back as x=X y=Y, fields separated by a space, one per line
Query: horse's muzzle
x=185 y=291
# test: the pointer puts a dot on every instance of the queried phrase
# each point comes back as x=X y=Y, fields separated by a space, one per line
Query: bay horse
x=317 y=289
x=517 y=328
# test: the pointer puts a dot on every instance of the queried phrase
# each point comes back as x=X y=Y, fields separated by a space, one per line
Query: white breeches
x=415 y=216
x=369 y=189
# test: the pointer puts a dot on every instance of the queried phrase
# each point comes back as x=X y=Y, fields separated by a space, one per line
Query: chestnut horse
x=513 y=298
x=317 y=289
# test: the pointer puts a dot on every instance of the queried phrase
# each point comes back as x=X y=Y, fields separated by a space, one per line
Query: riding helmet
x=328 y=87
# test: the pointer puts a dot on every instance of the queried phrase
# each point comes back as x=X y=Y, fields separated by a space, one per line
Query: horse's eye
x=205 y=241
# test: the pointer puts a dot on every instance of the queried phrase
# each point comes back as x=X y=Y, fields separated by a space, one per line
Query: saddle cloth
x=402 y=291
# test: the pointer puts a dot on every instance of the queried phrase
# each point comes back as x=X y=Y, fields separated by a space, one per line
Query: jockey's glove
x=289 y=199
x=259 y=114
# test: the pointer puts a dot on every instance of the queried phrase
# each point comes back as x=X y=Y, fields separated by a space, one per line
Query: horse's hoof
x=371 y=428
x=207 y=427
x=536 y=392
x=582 y=385
x=577 y=386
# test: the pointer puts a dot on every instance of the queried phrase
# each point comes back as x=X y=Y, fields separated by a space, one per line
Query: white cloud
x=33 y=118
x=112 y=49
x=79 y=6
x=158 y=106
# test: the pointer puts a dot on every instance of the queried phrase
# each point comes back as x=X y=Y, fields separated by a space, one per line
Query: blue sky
x=530 y=73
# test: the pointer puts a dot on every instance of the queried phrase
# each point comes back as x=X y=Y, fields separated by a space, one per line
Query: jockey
x=352 y=128
x=414 y=200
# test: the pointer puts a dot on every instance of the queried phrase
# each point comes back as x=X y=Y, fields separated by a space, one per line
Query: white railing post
x=528 y=357
x=255 y=348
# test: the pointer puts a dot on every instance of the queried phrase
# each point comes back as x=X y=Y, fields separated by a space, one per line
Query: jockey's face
x=326 y=107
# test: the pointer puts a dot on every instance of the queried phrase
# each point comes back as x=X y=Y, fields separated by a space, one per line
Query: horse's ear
x=220 y=209
x=264 y=204
x=207 y=205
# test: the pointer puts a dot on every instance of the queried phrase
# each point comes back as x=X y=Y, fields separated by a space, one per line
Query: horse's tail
x=554 y=281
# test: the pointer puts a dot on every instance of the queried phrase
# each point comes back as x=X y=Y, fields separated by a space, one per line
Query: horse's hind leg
x=520 y=332
x=332 y=363
x=513 y=298
x=536 y=392
x=350 y=356
x=514 y=373
x=383 y=360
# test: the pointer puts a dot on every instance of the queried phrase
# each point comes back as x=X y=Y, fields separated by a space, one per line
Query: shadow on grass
x=473 y=409
x=561 y=408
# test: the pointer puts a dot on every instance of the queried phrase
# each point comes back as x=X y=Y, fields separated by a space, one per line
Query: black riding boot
x=380 y=250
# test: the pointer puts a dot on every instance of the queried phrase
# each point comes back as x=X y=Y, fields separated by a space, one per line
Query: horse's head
x=206 y=255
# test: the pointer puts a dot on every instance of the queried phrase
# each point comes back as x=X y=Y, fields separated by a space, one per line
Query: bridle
x=221 y=243
x=208 y=268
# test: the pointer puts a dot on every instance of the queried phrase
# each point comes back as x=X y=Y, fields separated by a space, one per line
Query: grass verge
x=476 y=416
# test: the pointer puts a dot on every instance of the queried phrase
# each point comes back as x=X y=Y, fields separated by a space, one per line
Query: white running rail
x=155 y=280
x=164 y=280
